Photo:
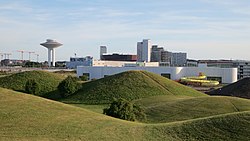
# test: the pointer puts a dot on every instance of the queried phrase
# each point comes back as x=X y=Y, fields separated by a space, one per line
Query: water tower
x=51 y=45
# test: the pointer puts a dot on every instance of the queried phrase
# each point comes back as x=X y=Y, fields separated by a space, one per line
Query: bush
x=84 y=78
x=68 y=86
x=93 y=79
x=32 y=87
x=123 y=109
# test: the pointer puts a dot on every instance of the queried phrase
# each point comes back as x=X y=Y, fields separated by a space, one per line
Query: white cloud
x=84 y=29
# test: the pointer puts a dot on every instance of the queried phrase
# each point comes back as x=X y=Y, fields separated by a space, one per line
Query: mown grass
x=231 y=127
x=162 y=109
x=95 y=108
x=129 y=85
x=47 y=81
x=27 y=117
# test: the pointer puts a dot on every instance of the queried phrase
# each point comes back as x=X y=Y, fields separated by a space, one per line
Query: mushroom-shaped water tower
x=51 y=45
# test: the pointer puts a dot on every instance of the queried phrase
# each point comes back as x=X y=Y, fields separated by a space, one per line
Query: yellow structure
x=198 y=81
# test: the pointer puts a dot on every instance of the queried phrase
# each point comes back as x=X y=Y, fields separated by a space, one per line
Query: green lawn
x=47 y=80
x=162 y=109
x=129 y=85
x=27 y=117
x=94 y=108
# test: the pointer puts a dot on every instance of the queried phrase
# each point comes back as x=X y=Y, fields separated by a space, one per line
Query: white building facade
x=226 y=75
x=144 y=50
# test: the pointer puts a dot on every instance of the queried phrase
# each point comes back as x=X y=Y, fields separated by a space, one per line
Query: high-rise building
x=144 y=51
x=158 y=54
x=103 y=50
x=179 y=59
x=166 y=56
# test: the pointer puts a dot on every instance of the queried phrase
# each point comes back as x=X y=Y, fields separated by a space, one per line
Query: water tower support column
x=53 y=57
x=49 y=57
x=51 y=45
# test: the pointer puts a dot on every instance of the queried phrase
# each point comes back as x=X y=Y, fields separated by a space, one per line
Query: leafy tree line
x=119 y=108
x=67 y=87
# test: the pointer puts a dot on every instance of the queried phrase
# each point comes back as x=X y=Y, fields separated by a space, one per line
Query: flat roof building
x=225 y=75
x=144 y=51
x=119 y=57
x=103 y=50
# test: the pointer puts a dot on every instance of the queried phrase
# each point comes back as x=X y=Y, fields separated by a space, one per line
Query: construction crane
x=1 y=56
x=22 y=52
x=30 y=53
x=7 y=55
x=37 y=56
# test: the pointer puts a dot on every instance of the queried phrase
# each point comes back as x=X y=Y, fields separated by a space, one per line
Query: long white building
x=225 y=75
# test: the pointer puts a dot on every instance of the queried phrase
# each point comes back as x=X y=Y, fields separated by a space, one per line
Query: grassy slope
x=233 y=127
x=48 y=81
x=240 y=88
x=27 y=117
x=129 y=85
x=161 y=109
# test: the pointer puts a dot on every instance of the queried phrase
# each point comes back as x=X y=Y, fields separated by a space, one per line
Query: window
x=166 y=75
x=87 y=75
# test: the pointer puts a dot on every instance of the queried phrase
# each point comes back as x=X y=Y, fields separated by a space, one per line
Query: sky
x=204 y=29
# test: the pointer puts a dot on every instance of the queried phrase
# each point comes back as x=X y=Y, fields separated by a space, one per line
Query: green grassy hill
x=48 y=81
x=129 y=85
x=226 y=127
x=27 y=117
x=161 y=109
x=240 y=88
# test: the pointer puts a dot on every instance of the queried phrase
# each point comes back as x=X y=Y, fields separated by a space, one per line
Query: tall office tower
x=179 y=59
x=144 y=51
x=166 y=56
x=103 y=50
x=156 y=53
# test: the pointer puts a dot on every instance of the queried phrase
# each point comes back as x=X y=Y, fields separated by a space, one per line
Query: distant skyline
x=204 y=29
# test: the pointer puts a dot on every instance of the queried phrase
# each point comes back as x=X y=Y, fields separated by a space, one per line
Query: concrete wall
x=228 y=75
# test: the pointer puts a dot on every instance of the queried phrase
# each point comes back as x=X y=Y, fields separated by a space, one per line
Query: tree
x=32 y=87
x=68 y=86
x=123 y=109
x=84 y=78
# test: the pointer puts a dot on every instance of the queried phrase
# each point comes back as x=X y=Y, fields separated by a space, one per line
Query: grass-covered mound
x=226 y=127
x=47 y=81
x=240 y=88
x=161 y=109
x=129 y=85
x=27 y=117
